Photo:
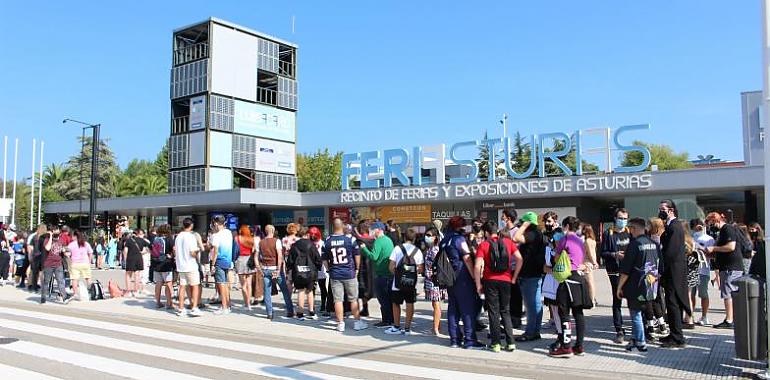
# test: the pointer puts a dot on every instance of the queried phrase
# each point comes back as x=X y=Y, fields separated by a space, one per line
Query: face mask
x=754 y=235
x=663 y=215
x=548 y=227
x=714 y=229
x=621 y=223
x=429 y=240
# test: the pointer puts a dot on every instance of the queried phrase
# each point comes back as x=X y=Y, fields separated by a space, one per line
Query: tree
x=161 y=161
x=78 y=180
x=661 y=155
x=149 y=184
x=320 y=171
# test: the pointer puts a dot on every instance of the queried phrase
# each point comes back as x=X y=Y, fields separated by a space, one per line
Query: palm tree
x=149 y=184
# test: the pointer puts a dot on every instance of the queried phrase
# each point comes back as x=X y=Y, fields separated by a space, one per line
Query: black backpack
x=304 y=272
x=443 y=272
x=406 y=271
x=499 y=257
x=743 y=244
x=95 y=292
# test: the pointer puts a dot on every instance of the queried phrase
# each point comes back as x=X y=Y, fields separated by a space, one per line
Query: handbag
x=251 y=263
x=274 y=287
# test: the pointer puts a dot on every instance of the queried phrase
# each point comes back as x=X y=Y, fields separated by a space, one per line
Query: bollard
x=747 y=312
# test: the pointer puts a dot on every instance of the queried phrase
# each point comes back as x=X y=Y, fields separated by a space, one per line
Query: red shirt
x=483 y=252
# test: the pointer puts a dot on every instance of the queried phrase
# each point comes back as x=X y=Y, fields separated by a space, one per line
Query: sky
x=379 y=75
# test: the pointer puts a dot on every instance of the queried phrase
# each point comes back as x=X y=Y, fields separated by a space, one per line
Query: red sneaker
x=560 y=352
x=578 y=350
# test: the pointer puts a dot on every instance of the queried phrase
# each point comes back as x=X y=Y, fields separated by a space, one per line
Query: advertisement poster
x=262 y=121
x=301 y=216
x=275 y=156
x=316 y=217
x=197 y=113
x=410 y=214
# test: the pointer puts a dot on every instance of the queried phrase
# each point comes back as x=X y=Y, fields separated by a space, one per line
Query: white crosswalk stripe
x=19 y=373
x=225 y=363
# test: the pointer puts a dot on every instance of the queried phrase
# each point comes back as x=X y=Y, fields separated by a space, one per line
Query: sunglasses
x=429 y=235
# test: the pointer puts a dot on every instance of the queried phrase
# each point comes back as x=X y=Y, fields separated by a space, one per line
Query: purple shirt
x=574 y=247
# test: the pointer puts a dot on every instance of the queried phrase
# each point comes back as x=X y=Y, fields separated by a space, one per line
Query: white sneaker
x=195 y=312
x=181 y=312
x=360 y=325
x=219 y=311
x=227 y=311
x=393 y=330
x=704 y=321
x=406 y=332
x=341 y=326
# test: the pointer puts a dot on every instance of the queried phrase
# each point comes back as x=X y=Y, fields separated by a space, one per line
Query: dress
x=134 y=261
x=432 y=291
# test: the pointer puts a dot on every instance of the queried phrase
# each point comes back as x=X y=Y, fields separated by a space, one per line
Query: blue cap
x=377 y=226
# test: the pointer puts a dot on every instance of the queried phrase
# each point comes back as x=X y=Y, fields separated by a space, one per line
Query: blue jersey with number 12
x=340 y=252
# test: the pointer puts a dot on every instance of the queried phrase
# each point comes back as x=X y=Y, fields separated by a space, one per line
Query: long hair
x=588 y=231
x=688 y=240
x=245 y=237
x=81 y=238
x=655 y=227
x=760 y=231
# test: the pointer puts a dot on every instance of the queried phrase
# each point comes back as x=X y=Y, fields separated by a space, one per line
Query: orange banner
x=405 y=214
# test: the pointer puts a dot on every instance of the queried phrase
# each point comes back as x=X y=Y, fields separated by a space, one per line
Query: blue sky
x=396 y=74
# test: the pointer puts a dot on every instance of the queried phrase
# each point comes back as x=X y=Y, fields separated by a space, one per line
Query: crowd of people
x=534 y=264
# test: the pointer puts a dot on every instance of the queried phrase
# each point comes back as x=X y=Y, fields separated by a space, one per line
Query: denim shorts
x=220 y=275
x=727 y=282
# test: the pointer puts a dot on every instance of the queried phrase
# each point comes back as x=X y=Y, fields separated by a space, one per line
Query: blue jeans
x=637 y=327
x=268 y=282
x=531 y=293
x=382 y=289
x=463 y=301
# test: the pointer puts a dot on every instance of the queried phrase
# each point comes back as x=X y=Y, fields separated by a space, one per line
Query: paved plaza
x=130 y=338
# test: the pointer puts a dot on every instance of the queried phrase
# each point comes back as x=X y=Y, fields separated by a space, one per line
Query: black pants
x=21 y=271
x=36 y=266
x=654 y=310
x=617 y=304
x=5 y=264
x=580 y=324
x=673 y=312
x=324 y=290
x=516 y=304
x=497 y=294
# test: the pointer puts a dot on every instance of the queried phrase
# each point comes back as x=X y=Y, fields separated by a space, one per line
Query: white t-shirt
x=398 y=254
x=185 y=244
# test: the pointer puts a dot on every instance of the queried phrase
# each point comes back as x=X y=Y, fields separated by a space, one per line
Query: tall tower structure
x=233 y=109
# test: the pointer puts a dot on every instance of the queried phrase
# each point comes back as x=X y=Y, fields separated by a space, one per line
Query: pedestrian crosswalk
x=121 y=348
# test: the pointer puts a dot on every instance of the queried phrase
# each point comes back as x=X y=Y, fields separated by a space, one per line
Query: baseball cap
x=377 y=226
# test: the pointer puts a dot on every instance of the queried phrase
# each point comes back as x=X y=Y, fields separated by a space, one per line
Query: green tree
x=149 y=184
x=78 y=180
x=570 y=160
x=521 y=153
x=660 y=154
x=161 y=161
x=319 y=171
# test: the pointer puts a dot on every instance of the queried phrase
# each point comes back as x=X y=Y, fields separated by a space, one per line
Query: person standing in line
x=380 y=257
x=80 y=253
x=365 y=270
x=728 y=261
x=342 y=258
x=304 y=261
x=5 y=259
x=406 y=261
x=52 y=253
x=112 y=252
x=293 y=229
x=35 y=257
x=691 y=253
x=187 y=249
x=394 y=232
x=247 y=248
x=22 y=263
x=532 y=250
x=702 y=241
x=494 y=277
x=517 y=300
x=614 y=243
x=589 y=237
x=433 y=292
x=162 y=263
x=674 y=278
x=133 y=250
x=640 y=266
x=274 y=271
x=222 y=261
x=323 y=279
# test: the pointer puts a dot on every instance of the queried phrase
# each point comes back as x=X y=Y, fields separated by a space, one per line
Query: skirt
x=134 y=263
x=242 y=267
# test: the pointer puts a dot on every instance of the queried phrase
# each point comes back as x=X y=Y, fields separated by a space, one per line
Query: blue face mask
x=558 y=236
x=620 y=223
x=429 y=240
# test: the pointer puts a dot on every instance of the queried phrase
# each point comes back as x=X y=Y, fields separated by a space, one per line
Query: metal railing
x=180 y=124
x=191 y=53
x=267 y=96
x=286 y=68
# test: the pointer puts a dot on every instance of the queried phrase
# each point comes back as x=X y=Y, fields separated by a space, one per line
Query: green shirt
x=380 y=255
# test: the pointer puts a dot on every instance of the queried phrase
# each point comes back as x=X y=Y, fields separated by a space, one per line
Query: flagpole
x=15 y=161
x=32 y=189
x=40 y=189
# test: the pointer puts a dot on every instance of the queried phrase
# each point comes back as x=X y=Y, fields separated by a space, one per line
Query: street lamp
x=94 y=164
x=504 y=122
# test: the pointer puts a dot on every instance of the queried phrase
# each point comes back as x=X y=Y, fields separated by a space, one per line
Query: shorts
x=397 y=297
x=222 y=276
x=703 y=286
x=345 y=289
x=189 y=278
x=727 y=283
x=78 y=271
x=242 y=266
x=159 y=277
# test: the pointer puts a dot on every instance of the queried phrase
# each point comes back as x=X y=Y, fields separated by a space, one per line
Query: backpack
x=406 y=271
x=499 y=257
x=95 y=291
x=562 y=269
x=443 y=272
x=743 y=244
x=304 y=272
x=158 y=251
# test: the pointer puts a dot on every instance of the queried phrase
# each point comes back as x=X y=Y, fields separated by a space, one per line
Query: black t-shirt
x=136 y=245
x=532 y=254
x=729 y=260
x=41 y=245
x=757 y=267
x=641 y=253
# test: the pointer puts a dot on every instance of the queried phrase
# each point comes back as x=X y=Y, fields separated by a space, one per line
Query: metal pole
x=766 y=106
x=5 y=171
x=32 y=188
x=94 y=172
x=505 y=125
x=40 y=189
x=15 y=161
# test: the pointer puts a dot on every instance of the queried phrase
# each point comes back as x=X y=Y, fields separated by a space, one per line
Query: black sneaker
x=672 y=344
x=526 y=338
x=382 y=325
x=42 y=301
x=364 y=313
x=724 y=325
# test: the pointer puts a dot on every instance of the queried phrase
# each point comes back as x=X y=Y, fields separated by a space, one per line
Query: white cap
x=12 y=227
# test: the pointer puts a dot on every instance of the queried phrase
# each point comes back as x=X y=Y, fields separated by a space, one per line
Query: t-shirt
x=456 y=248
x=340 y=252
x=574 y=247
x=397 y=255
x=185 y=244
x=729 y=260
x=223 y=241
x=136 y=246
x=532 y=254
x=53 y=259
x=78 y=254
x=485 y=253
x=641 y=253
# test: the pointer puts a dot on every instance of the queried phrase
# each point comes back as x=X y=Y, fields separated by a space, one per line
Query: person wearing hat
x=532 y=249
x=380 y=256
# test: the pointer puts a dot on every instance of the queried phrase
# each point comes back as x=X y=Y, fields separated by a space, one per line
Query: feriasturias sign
x=394 y=164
